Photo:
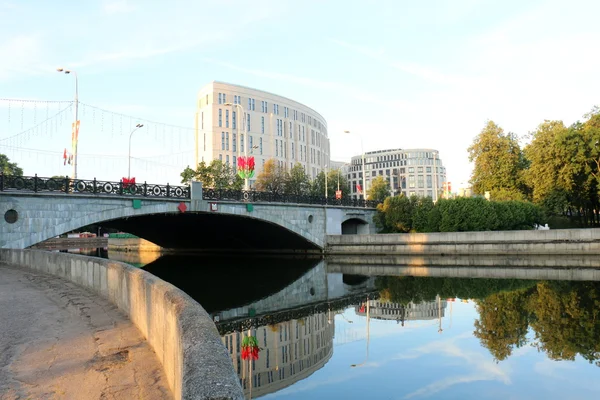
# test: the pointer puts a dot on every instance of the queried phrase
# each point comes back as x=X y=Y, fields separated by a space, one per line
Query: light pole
x=362 y=150
x=138 y=126
x=75 y=137
x=325 y=183
x=368 y=322
x=246 y=185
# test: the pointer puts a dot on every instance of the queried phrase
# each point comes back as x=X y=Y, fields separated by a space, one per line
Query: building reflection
x=290 y=351
x=427 y=310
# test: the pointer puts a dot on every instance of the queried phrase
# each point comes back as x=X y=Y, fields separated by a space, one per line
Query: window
x=411 y=170
x=276 y=109
x=429 y=184
x=242 y=142
x=411 y=182
x=291 y=131
x=233 y=121
x=220 y=157
x=236 y=99
x=234 y=143
x=220 y=117
x=250 y=144
x=253 y=105
x=222 y=140
x=220 y=99
x=276 y=148
x=262 y=124
x=293 y=153
x=227 y=141
x=420 y=181
x=227 y=159
x=286 y=112
x=248 y=122
x=260 y=145
x=420 y=170
x=428 y=169
x=226 y=118
x=249 y=104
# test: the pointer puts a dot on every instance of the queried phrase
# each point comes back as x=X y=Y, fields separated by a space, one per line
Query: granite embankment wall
x=563 y=242
x=182 y=334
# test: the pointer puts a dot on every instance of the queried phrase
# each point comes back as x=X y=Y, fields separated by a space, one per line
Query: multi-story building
x=290 y=351
x=423 y=311
x=408 y=171
x=233 y=121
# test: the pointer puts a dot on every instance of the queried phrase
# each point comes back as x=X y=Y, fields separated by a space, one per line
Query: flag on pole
x=359 y=188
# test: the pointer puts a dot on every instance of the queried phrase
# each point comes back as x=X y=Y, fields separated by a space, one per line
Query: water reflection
x=335 y=330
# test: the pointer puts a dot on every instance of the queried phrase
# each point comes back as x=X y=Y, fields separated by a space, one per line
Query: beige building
x=423 y=311
x=409 y=171
x=233 y=121
x=290 y=351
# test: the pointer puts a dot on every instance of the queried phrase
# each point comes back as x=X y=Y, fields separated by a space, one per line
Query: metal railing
x=252 y=196
x=38 y=184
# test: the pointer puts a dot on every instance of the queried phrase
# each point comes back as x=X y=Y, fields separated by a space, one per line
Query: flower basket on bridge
x=246 y=167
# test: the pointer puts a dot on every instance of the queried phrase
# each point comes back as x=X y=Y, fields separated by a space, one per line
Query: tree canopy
x=9 y=168
x=217 y=175
x=379 y=190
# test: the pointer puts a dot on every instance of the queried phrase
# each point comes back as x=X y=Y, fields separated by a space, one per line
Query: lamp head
x=60 y=69
x=346 y=131
x=139 y=125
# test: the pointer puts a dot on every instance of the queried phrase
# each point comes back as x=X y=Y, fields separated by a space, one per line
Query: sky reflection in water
x=415 y=361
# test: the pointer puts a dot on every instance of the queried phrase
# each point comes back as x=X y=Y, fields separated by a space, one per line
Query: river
x=329 y=331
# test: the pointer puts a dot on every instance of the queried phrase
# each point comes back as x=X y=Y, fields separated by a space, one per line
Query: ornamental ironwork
x=38 y=184
x=252 y=196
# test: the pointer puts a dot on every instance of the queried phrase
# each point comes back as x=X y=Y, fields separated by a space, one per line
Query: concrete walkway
x=58 y=341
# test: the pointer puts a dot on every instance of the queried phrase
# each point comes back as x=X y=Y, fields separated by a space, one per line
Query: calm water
x=326 y=334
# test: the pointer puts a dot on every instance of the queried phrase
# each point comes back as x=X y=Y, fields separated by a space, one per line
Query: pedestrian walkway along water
x=58 y=340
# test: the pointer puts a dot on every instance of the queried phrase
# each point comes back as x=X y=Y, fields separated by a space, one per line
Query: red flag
x=359 y=188
x=65 y=157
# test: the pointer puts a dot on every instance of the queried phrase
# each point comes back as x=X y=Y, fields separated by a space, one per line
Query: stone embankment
x=557 y=242
x=185 y=340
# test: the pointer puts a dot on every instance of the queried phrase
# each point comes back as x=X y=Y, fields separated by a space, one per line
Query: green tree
x=395 y=214
x=334 y=177
x=421 y=221
x=272 y=178
x=544 y=158
x=297 y=182
x=379 y=190
x=499 y=163
x=216 y=175
x=9 y=168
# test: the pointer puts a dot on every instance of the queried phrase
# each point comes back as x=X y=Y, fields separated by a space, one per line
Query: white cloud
x=20 y=55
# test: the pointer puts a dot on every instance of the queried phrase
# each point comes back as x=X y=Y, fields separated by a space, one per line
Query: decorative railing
x=252 y=196
x=38 y=184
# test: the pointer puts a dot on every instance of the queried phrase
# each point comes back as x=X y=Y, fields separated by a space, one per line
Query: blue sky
x=405 y=74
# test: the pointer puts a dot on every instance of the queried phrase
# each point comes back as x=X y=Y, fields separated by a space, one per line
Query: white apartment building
x=408 y=171
x=234 y=120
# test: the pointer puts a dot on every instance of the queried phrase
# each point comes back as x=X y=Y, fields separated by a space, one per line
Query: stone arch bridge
x=175 y=217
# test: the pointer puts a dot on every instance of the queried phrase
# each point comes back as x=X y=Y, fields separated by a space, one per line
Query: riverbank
x=72 y=243
x=183 y=336
x=534 y=242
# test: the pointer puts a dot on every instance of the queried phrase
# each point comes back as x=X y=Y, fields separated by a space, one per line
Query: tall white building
x=234 y=120
x=408 y=171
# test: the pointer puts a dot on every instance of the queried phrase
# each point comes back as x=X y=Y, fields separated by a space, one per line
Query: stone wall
x=179 y=330
x=132 y=244
x=564 y=241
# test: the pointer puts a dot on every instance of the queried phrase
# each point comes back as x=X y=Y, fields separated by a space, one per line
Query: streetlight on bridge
x=75 y=128
x=362 y=149
x=243 y=114
x=138 y=126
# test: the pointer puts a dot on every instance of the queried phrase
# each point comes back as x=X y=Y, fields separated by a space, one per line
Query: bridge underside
x=211 y=231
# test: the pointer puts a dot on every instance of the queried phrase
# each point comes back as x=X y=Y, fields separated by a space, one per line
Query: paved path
x=59 y=341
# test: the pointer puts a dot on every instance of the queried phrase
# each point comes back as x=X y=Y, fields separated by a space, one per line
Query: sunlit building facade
x=408 y=171
x=290 y=351
x=233 y=121
x=427 y=310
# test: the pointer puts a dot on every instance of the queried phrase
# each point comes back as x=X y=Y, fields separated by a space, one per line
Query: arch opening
x=355 y=226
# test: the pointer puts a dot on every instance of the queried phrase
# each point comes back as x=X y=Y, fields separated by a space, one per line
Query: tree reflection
x=564 y=316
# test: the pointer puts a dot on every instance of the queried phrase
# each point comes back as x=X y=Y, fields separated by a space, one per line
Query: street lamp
x=246 y=185
x=76 y=126
x=368 y=323
x=362 y=149
x=138 y=126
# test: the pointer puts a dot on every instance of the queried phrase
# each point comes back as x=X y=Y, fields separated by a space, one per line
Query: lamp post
x=362 y=150
x=246 y=185
x=76 y=127
x=325 y=168
x=138 y=126
x=368 y=322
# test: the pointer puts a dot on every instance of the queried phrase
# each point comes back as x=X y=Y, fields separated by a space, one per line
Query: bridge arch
x=355 y=226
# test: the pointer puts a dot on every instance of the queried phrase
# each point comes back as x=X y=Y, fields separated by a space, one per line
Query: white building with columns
x=233 y=121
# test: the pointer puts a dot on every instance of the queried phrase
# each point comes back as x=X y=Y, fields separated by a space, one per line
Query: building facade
x=290 y=351
x=233 y=121
x=409 y=171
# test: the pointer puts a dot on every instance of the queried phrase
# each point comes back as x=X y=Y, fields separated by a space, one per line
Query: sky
x=398 y=74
